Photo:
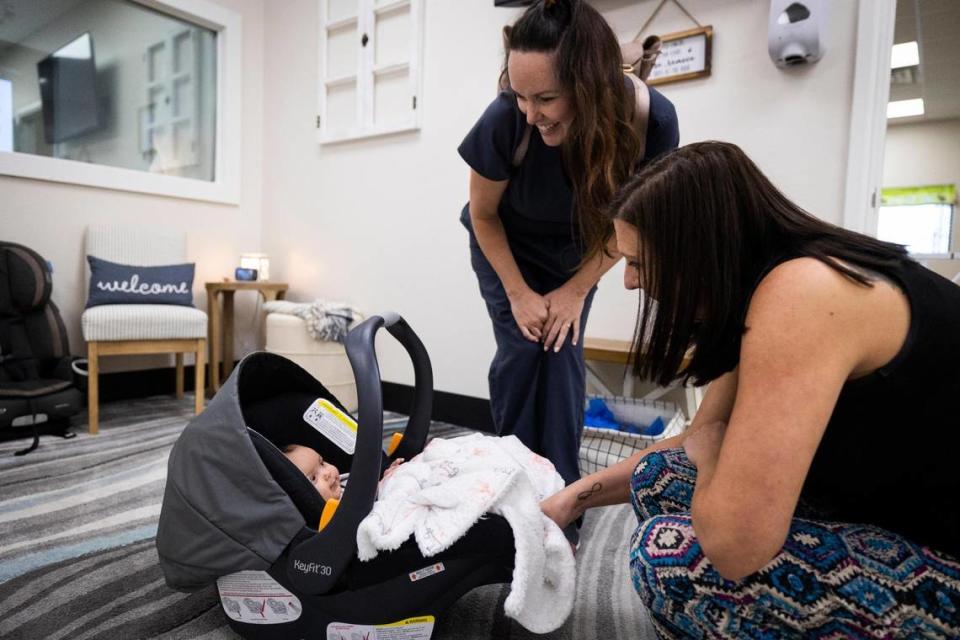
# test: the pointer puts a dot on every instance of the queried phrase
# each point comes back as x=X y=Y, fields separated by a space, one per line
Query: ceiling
x=20 y=18
x=935 y=25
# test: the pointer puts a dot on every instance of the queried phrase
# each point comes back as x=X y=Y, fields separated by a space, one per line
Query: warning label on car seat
x=338 y=427
x=254 y=597
x=419 y=628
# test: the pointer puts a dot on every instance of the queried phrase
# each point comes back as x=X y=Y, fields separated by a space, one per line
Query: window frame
x=367 y=70
x=225 y=187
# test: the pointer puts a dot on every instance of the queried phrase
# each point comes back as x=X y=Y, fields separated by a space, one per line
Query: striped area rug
x=77 y=559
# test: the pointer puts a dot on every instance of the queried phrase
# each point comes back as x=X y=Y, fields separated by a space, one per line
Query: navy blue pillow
x=112 y=283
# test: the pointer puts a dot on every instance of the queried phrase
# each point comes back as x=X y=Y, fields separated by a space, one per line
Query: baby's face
x=324 y=476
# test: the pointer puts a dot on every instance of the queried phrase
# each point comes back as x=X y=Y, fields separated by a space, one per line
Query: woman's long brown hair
x=600 y=150
x=710 y=226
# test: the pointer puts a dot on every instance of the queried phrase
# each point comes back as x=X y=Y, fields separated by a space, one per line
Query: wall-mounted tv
x=68 y=90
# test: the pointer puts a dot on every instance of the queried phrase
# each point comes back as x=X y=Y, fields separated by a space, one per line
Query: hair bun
x=558 y=5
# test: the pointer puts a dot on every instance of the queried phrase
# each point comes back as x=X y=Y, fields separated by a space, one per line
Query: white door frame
x=868 y=114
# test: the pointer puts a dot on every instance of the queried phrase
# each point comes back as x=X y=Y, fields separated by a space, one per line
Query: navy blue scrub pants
x=536 y=395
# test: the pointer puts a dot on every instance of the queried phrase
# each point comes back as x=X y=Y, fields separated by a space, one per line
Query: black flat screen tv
x=68 y=91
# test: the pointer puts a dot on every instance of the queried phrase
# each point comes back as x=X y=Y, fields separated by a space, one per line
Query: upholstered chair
x=135 y=329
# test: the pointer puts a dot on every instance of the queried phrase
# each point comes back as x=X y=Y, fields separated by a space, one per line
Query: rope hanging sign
x=683 y=55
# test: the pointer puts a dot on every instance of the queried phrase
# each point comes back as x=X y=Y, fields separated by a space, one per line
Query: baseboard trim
x=463 y=411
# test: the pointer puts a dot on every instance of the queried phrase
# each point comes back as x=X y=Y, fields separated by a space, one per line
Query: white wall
x=51 y=217
x=375 y=222
x=924 y=153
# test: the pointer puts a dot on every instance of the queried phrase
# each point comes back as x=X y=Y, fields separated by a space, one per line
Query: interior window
x=919 y=217
x=109 y=82
x=924 y=228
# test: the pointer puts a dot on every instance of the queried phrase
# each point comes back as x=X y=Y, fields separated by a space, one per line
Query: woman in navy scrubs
x=539 y=240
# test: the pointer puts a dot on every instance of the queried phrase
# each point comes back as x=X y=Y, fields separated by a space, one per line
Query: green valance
x=931 y=194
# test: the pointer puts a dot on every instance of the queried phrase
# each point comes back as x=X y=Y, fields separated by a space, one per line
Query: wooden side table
x=220 y=322
x=608 y=350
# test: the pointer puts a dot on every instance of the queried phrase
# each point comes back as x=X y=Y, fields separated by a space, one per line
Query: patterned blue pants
x=830 y=580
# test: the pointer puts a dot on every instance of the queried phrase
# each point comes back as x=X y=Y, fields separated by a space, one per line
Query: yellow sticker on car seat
x=335 y=425
x=419 y=628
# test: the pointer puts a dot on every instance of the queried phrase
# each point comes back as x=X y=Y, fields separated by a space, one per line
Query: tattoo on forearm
x=596 y=488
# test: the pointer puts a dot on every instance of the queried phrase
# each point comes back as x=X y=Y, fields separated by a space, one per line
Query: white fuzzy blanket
x=438 y=495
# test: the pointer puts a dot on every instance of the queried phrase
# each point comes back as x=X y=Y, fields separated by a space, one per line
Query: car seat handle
x=418 y=424
x=315 y=565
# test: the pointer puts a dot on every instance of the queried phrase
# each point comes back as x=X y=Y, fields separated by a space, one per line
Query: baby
x=323 y=475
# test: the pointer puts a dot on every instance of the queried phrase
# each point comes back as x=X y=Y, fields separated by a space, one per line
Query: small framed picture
x=683 y=55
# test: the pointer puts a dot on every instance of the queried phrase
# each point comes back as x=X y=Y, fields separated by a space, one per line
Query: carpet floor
x=77 y=558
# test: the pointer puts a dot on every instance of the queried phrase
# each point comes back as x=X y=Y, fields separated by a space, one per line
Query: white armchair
x=128 y=329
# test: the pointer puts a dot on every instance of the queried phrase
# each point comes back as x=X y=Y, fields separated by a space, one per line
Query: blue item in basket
x=654 y=429
x=599 y=415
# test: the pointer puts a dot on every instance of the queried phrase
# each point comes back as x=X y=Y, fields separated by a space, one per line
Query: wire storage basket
x=601 y=447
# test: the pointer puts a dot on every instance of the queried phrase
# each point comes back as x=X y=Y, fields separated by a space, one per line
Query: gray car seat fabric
x=222 y=510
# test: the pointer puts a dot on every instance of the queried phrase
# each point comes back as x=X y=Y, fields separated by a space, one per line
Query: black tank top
x=890 y=455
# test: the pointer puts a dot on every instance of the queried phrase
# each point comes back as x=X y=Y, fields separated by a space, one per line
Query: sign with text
x=684 y=55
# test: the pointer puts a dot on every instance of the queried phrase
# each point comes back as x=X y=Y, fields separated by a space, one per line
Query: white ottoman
x=326 y=361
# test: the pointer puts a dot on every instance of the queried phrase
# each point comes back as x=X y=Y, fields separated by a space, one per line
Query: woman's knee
x=662 y=482
x=664 y=552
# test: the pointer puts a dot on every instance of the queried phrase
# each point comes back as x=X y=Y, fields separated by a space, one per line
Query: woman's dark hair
x=710 y=225
x=601 y=148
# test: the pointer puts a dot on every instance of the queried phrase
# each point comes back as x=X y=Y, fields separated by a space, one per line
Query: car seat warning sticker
x=419 y=628
x=254 y=597
x=426 y=572
x=337 y=426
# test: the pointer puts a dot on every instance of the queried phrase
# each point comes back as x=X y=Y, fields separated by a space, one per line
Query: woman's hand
x=565 y=306
x=530 y=310
x=702 y=446
x=561 y=507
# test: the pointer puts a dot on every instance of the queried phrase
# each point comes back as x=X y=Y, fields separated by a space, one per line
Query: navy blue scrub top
x=539 y=199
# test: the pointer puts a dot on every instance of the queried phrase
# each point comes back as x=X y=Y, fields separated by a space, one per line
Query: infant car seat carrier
x=237 y=512
x=36 y=379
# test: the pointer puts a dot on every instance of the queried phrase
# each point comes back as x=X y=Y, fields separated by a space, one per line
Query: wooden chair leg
x=179 y=358
x=93 y=388
x=198 y=373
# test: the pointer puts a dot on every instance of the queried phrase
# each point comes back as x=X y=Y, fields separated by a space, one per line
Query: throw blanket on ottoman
x=327 y=321
x=438 y=495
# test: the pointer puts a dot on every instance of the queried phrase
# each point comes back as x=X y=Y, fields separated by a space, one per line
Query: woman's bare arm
x=612 y=485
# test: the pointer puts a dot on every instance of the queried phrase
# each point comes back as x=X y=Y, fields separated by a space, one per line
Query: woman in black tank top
x=816 y=491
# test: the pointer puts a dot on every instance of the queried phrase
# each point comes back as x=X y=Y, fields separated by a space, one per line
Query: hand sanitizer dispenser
x=795 y=34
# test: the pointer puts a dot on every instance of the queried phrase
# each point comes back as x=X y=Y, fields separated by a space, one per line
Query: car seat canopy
x=222 y=509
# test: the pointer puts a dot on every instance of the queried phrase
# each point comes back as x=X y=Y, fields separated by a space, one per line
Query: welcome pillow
x=112 y=283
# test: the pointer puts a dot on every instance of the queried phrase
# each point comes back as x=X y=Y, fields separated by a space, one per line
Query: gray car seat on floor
x=237 y=512
x=37 y=389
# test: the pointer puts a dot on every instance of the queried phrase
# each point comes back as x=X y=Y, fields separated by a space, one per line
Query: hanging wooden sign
x=683 y=55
